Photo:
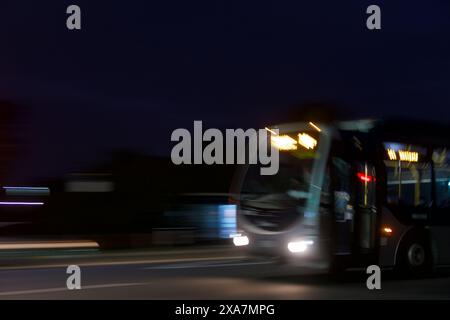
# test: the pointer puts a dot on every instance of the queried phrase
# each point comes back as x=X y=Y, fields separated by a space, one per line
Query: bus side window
x=408 y=175
x=441 y=163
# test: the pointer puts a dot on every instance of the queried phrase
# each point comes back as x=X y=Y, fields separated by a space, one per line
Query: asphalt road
x=190 y=275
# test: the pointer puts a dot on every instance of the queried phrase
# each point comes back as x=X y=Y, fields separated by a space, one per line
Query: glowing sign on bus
x=392 y=155
x=306 y=141
x=403 y=155
x=286 y=142
x=408 y=156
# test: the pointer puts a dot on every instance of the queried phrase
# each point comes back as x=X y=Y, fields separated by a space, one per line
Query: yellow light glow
x=283 y=142
x=403 y=155
x=392 y=155
x=408 y=156
x=271 y=131
x=387 y=231
x=315 y=127
x=306 y=141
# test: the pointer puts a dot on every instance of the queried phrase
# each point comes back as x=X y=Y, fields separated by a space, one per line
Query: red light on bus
x=365 y=177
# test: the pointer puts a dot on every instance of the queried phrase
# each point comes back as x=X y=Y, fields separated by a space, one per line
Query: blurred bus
x=350 y=194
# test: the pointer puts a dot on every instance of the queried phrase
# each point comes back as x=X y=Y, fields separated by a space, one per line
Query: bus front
x=285 y=215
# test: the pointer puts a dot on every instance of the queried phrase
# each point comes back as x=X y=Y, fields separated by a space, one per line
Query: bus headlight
x=299 y=246
x=240 y=240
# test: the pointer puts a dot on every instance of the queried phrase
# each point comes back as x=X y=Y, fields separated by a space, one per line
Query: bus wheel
x=415 y=257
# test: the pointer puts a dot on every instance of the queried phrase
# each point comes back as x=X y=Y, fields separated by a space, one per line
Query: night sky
x=139 y=69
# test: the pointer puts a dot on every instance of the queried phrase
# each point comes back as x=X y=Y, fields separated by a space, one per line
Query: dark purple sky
x=139 y=69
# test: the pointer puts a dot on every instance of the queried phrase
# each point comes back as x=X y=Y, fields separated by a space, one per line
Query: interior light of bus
x=306 y=141
x=364 y=177
x=315 y=127
x=283 y=142
x=408 y=156
x=392 y=155
x=387 y=231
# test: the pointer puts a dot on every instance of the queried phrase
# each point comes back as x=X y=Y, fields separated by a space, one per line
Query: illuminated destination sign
x=403 y=155
x=286 y=142
x=306 y=141
x=408 y=156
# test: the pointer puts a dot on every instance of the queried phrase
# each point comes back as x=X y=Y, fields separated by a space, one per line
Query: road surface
x=213 y=274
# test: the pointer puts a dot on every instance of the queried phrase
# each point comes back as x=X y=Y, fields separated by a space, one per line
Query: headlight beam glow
x=299 y=246
x=240 y=241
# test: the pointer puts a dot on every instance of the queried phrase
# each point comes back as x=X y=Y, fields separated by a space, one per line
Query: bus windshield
x=285 y=193
x=292 y=180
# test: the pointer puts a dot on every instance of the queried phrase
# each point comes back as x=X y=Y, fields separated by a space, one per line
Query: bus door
x=365 y=209
x=343 y=195
x=355 y=216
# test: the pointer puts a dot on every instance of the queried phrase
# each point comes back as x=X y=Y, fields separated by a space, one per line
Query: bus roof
x=414 y=131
